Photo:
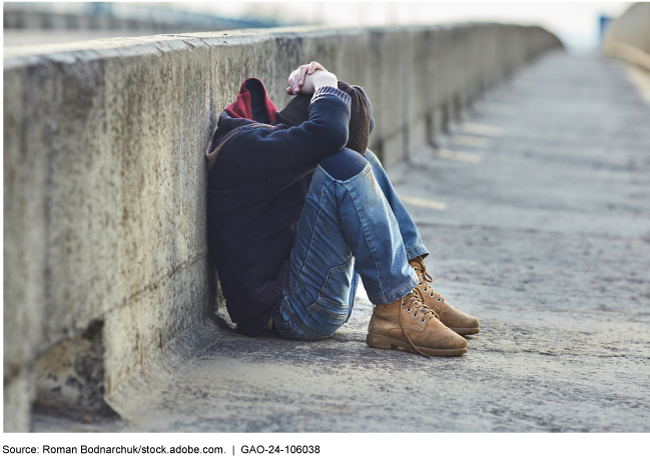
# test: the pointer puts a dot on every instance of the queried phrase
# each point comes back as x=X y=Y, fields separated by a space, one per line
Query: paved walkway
x=545 y=237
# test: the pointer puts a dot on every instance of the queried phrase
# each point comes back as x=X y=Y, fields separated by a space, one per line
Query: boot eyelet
x=422 y=320
x=438 y=299
x=431 y=294
x=408 y=310
x=415 y=315
x=403 y=305
x=424 y=290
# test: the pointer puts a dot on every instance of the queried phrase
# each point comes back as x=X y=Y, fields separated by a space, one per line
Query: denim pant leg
x=410 y=234
x=345 y=226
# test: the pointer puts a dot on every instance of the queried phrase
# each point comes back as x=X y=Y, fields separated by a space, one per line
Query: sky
x=575 y=23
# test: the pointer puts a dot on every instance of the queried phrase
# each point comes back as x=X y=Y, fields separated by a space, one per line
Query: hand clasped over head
x=297 y=111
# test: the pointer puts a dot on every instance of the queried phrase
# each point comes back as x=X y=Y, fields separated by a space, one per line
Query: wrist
x=329 y=92
x=323 y=79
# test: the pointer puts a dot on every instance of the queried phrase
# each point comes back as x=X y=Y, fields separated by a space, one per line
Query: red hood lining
x=242 y=107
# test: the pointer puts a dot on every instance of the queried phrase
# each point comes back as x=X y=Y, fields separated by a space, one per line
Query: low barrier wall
x=105 y=254
x=628 y=37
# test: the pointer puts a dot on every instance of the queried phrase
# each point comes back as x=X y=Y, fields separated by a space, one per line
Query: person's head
x=297 y=111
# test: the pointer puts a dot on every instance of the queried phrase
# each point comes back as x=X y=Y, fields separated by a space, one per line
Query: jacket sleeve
x=261 y=152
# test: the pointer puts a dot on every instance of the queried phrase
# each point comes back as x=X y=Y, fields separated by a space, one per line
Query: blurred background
x=580 y=25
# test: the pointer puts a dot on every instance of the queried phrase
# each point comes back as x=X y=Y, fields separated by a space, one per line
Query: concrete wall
x=628 y=37
x=105 y=178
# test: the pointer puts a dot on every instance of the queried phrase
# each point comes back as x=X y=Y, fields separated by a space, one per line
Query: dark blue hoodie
x=259 y=176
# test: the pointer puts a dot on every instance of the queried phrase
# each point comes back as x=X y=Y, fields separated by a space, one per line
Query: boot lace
x=414 y=304
x=426 y=280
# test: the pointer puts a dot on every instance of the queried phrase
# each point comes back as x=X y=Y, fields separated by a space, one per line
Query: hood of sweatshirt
x=253 y=103
x=252 y=106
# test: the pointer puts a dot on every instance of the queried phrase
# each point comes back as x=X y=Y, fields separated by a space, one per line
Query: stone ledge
x=104 y=174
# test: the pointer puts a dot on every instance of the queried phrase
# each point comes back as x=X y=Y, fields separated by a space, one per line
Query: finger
x=316 y=66
x=293 y=81
x=302 y=71
x=296 y=85
x=290 y=78
x=295 y=88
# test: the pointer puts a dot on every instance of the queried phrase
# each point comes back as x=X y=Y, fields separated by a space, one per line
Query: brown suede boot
x=409 y=324
x=458 y=321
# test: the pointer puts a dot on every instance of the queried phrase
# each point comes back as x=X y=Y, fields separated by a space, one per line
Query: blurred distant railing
x=628 y=37
x=51 y=15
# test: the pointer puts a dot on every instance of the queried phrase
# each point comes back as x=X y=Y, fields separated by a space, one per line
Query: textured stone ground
x=546 y=240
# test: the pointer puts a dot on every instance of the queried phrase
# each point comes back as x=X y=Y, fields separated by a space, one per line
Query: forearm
x=278 y=151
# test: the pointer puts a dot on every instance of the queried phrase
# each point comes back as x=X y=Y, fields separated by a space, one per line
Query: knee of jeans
x=344 y=164
x=372 y=158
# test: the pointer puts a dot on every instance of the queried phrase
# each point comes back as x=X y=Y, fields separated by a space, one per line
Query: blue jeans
x=347 y=229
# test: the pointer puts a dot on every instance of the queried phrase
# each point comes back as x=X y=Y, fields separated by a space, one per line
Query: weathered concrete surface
x=68 y=374
x=546 y=239
x=104 y=173
x=104 y=204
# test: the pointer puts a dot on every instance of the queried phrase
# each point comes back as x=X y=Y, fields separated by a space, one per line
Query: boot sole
x=466 y=330
x=385 y=342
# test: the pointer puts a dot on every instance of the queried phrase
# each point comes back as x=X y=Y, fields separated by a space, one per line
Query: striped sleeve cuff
x=329 y=90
